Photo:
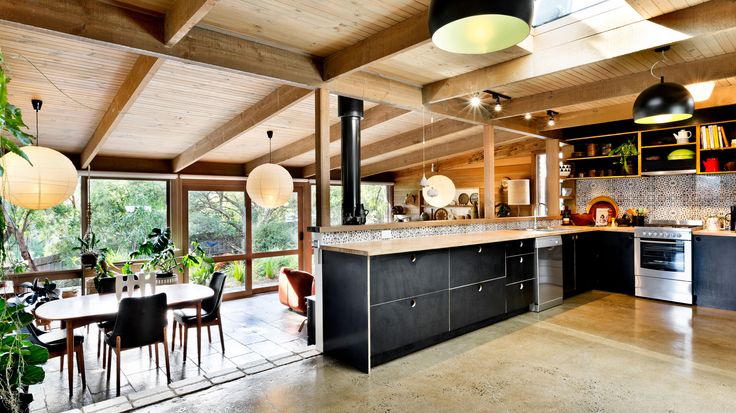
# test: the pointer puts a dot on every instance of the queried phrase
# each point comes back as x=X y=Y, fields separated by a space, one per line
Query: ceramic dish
x=441 y=214
x=474 y=198
x=463 y=199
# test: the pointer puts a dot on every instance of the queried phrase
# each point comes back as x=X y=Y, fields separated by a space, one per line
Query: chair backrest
x=106 y=285
x=34 y=334
x=217 y=284
x=129 y=284
x=140 y=320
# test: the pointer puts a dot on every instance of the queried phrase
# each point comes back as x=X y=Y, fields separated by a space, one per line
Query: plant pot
x=627 y=168
x=167 y=274
x=638 y=221
x=89 y=259
x=25 y=401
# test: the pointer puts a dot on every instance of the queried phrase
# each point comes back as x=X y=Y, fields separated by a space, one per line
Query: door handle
x=480 y=249
x=480 y=288
x=521 y=286
x=521 y=260
x=413 y=258
x=413 y=302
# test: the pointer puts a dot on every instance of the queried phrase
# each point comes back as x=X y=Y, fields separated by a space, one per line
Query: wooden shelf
x=669 y=145
x=603 y=177
x=588 y=158
x=719 y=149
x=717 y=173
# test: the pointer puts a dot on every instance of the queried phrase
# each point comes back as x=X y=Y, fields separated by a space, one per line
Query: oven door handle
x=673 y=242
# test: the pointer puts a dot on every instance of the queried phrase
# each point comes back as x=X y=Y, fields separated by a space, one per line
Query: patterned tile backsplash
x=334 y=238
x=667 y=197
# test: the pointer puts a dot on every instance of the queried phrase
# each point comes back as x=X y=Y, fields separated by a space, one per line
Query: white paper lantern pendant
x=269 y=185
x=48 y=180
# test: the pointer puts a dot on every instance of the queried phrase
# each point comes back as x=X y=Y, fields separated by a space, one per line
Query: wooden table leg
x=199 y=333
x=70 y=355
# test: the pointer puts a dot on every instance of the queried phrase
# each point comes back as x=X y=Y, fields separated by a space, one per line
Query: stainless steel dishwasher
x=548 y=292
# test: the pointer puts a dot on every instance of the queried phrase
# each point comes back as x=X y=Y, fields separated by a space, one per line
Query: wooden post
x=553 y=177
x=489 y=164
x=322 y=155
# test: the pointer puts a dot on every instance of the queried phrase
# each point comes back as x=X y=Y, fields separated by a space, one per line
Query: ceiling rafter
x=373 y=117
x=401 y=141
x=182 y=17
x=276 y=102
x=144 y=68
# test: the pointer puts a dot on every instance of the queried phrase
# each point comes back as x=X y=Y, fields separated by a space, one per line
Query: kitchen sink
x=546 y=229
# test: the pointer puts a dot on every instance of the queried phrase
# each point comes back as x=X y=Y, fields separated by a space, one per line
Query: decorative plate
x=441 y=214
x=603 y=202
x=463 y=199
x=474 y=198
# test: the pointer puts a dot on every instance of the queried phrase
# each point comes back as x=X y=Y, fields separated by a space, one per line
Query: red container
x=712 y=165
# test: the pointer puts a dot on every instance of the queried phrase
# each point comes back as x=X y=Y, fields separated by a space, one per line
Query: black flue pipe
x=351 y=112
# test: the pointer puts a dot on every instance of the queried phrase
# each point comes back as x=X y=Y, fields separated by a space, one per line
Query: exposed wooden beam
x=722 y=96
x=322 y=137
x=404 y=36
x=443 y=150
x=712 y=68
x=489 y=158
x=139 y=33
x=144 y=68
x=373 y=116
x=401 y=141
x=182 y=17
x=708 y=17
x=365 y=86
x=276 y=102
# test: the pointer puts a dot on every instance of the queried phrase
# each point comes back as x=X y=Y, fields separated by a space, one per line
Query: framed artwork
x=601 y=217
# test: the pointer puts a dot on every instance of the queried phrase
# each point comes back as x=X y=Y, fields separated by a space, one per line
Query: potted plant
x=201 y=272
x=625 y=151
x=89 y=253
x=161 y=251
x=503 y=210
x=40 y=293
x=20 y=360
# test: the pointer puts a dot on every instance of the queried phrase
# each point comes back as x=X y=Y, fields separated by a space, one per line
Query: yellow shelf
x=586 y=158
x=669 y=145
x=717 y=173
x=718 y=149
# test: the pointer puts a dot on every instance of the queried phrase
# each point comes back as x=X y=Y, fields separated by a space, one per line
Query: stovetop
x=670 y=230
x=684 y=224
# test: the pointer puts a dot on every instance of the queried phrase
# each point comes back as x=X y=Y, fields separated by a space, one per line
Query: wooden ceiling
x=233 y=69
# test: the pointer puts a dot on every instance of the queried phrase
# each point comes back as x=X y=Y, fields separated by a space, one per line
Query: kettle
x=712 y=223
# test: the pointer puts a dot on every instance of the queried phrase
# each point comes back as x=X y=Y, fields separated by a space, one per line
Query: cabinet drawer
x=519 y=296
x=523 y=246
x=519 y=268
x=400 y=323
x=476 y=263
x=398 y=276
x=477 y=302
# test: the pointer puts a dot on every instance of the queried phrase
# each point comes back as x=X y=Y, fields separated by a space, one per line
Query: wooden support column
x=553 y=177
x=322 y=155
x=489 y=165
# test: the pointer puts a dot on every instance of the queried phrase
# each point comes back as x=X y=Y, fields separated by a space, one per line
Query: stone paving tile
x=226 y=375
x=259 y=368
x=150 y=396
x=286 y=360
x=190 y=385
x=118 y=404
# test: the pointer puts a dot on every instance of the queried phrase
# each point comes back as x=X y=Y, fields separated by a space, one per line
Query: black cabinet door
x=615 y=271
x=524 y=246
x=520 y=268
x=477 y=302
x=714 y=272
x=476 y=263
x=404 y=322
x=398 y=276
x=587 y=261
x=569 y=282
x=519 y=296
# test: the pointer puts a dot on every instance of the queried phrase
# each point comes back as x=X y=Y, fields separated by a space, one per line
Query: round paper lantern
x=440 y=191
x=48 y=180
x=269 y=185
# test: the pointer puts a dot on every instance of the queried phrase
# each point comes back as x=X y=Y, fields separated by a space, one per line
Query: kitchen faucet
x=536 y=210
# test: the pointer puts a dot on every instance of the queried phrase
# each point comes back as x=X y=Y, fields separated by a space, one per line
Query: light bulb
x=528 y=116
x=475 y=101
x=498 y=107
x=551 y=122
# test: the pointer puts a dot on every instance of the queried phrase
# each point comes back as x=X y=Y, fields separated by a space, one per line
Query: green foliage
x=236 y=271
x=268 y=268
x=162 y=253
x=624 y=151
x=11 y=120
x=20 y=360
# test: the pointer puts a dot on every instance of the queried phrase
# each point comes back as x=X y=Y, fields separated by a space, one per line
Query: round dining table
x=87 y=309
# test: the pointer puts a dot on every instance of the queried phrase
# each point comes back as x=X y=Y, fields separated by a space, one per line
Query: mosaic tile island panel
x=679 y=197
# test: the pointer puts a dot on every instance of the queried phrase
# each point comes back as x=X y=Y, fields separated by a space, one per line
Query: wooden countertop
x=432 y=242
x=424 y=224
x=703 y=232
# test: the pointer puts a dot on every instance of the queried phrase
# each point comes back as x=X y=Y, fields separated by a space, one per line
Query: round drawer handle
x=413 y=258
x=521 y=244
x=480 y=249
x=521 y=260
x=413 y=303
x=521 y=286
x=480 y=288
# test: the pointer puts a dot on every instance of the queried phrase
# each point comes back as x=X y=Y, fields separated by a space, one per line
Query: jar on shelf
x=592 y=149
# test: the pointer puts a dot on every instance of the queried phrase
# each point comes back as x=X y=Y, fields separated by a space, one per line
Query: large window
x=42 y=240
x=546 y=11
x=275 y=241
x=373 y=196
x=125 y=211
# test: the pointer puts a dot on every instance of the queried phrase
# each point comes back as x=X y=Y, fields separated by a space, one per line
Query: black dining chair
x=187 y=318
x=104 y=286
x=141 y=321
x=55 y=343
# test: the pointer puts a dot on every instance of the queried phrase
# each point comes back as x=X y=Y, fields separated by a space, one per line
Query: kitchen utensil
x=682 y=136
x=591 y=172
x=582 y=219
x=681 y=154
x=441 y=214
x=463 y=199
x=712 y=165
x=592 y=149
x=653 y=158
x=606 y=149
x=565 y=170
x=711 y=223
x=424 y=216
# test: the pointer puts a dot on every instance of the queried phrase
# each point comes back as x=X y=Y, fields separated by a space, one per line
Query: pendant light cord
x=663 y=60
x=37 y=126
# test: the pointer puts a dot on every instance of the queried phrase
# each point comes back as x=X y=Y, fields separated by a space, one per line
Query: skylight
x=546 y=11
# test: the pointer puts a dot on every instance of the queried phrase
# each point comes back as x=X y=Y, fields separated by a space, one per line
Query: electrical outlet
x=386 y=234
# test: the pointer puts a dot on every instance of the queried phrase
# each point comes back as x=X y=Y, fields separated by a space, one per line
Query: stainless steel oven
x=663 y=260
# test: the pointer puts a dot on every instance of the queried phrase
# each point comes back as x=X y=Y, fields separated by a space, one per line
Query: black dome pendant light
x=479 y=26
x=664 y=102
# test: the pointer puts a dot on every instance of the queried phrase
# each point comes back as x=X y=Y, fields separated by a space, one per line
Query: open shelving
x=725 y=154
x=591 y=156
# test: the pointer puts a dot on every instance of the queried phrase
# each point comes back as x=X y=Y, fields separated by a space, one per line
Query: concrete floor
x=598 y=352
x=256 y=328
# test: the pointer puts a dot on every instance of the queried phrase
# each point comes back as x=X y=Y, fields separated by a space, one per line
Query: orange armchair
x=294 y=287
